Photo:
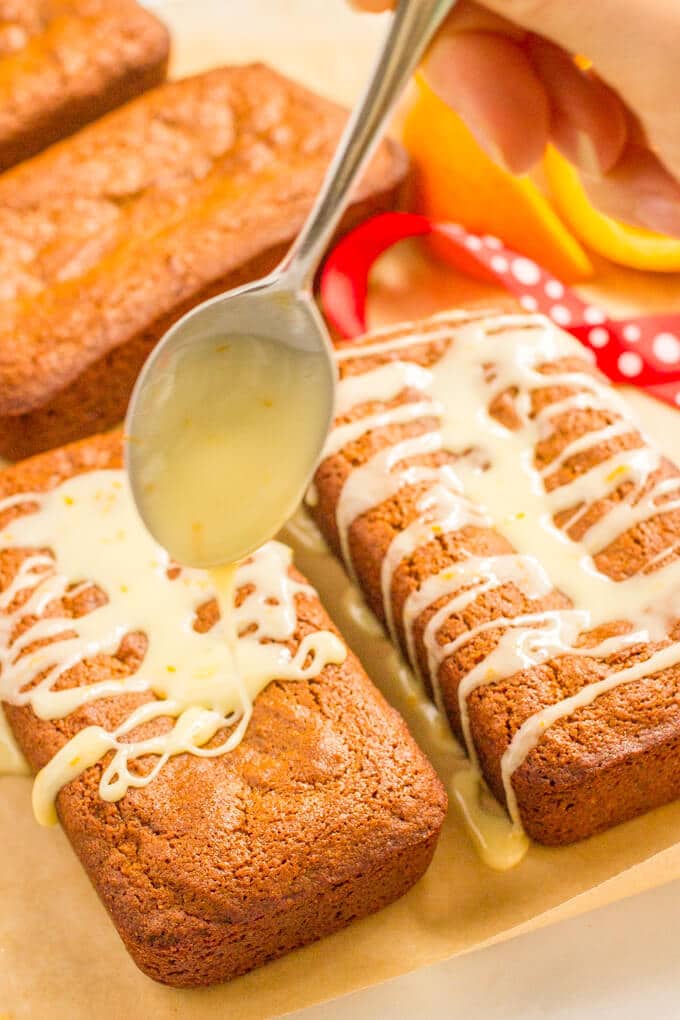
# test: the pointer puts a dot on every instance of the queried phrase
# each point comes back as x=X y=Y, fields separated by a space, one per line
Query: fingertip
x=639 y=191
x=488 y=80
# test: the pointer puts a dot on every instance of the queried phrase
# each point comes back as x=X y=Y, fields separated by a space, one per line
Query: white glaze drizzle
x=487 y=358
x=386 y=382
x=201 y=682
x=342 y=435
x=518 y=346
x=530 y=732
x=376 y=481
x=587 y=442
x=467 y=579
x=440 y=512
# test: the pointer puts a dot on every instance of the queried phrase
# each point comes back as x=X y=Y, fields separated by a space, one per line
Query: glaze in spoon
x=230 y=413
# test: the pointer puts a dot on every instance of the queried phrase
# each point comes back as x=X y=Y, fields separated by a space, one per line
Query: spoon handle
x=413 y=25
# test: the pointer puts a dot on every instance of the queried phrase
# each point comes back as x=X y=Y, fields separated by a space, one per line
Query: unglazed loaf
x=105 y=240
x=64 y=63
x=598 y=764
x=326 y=812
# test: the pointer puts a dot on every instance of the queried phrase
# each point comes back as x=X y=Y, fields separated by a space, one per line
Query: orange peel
x=456 y=181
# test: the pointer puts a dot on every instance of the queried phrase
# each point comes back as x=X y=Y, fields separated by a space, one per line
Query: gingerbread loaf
x=324 y=812
x=64 y=63
x=196 y=187
x=519 y=538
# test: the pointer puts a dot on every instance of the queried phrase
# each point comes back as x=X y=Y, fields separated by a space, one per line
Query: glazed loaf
x=64 y=63
x=105 y=240
x=325 y=812
x=520 y=540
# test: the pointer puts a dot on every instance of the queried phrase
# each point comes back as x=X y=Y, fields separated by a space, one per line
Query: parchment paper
x=59 y=954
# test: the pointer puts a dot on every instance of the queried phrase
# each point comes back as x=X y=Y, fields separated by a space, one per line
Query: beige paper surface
x=59 y=954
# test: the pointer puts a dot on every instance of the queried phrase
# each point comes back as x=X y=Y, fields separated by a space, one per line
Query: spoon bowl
x=227 y=422
x=230 y=413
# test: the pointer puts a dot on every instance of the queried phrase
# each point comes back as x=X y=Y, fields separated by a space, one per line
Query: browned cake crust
x=64 y=63
x=604 y=763
x=326 y=812
x=107 y=238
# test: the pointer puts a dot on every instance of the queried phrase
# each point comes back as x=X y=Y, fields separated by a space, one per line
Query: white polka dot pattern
x=599 y=336
x=593 y=315
x=666 y=347
x=554 y=289
x=560 y=315
x=630 y=364
x=527 y=272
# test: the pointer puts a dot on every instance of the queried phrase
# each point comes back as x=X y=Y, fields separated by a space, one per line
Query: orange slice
x=455 y=180
x=620 y=242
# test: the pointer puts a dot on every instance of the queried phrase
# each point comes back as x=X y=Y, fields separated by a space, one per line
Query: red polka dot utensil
x=643 y=351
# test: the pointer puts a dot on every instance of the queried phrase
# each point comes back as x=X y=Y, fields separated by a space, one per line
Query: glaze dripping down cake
x=229 y=800
x=519 y=538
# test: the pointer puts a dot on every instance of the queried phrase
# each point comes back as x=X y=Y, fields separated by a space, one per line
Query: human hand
x=507 y=68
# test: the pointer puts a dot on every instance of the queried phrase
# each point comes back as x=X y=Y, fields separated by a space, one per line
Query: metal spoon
x=231 y=411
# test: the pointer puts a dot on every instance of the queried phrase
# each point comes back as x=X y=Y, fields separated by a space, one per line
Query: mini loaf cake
x=224 y=817
x=64 y=63
x=519 y=538
x=108 y=238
